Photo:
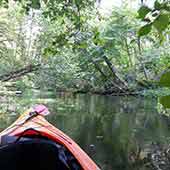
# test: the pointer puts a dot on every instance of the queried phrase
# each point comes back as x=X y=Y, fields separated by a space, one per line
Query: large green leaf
x=165 y=79
x=165 y=101
x=143 y=11
x=144 y=30
x=161 y=22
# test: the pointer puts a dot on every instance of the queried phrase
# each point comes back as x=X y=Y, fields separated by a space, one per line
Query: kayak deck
x=32 y=124
x=36 y=154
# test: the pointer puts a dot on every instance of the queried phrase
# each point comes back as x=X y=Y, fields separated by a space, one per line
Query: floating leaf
x=161 y=22
x=165 y=79
x=143 y=11
x=165 y=101
x=144 y=30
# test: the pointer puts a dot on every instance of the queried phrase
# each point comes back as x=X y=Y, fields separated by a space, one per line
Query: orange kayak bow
x=33 y=125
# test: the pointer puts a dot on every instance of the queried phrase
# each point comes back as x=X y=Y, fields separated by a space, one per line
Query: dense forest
x=73 y=46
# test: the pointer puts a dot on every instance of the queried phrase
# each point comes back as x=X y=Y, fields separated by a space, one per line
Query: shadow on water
x=117 y=132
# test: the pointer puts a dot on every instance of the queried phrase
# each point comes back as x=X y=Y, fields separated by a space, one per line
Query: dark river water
x=112 y=130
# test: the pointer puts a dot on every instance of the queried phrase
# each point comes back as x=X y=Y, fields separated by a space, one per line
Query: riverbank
x=17 y=88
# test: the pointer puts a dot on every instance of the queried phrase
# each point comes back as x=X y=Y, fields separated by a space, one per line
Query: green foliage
x=143 y=11
x=165 y=79
x=161 y=22
x=10 y=37
x=72 y=40
x=157 y=5
x=158 y=16
x=144 y=30
x=29 y=4
x=35 y=4
x=4 y=3
x=165 y=101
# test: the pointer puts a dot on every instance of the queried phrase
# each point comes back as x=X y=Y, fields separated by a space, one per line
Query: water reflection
x=114 y=131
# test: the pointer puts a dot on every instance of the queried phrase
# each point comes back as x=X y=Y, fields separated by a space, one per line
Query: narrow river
x=110 y=129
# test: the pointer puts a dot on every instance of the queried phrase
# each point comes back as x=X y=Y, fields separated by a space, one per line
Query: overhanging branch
x=19 y=73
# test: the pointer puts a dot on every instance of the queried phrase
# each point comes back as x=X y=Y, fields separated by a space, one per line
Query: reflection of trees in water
x=8 y=111
x=115 y=131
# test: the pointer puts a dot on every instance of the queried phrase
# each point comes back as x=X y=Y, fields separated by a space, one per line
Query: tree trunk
x=114 y=84
x=143 y=66
x=128 y=53
x=19 y=73
x=114 y=73
x=99 y=69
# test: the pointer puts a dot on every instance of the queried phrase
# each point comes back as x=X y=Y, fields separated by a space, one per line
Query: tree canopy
x=77 y=47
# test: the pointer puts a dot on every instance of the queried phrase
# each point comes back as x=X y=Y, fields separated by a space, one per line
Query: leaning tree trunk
x=121 y=83
x=116 y=85
x=19 y=73
x=97 y=67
